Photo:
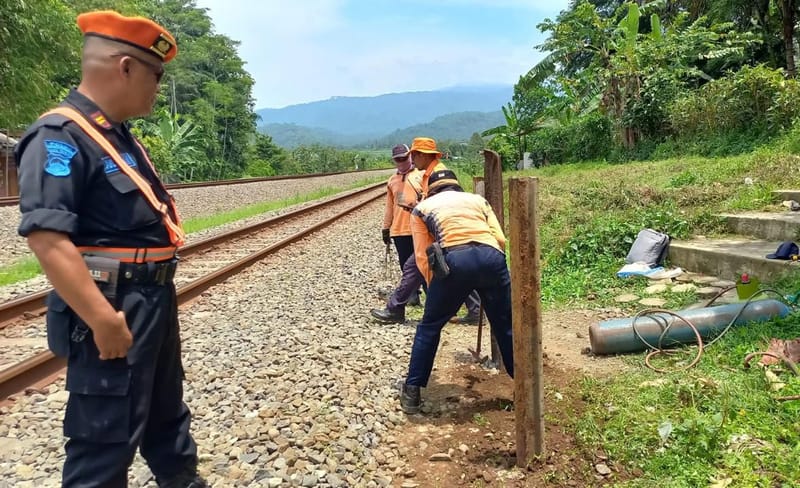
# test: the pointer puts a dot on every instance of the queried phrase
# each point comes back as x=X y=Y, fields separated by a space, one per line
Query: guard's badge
x=161 y=46
x=100 y=120
x=59 y=155
x=109 y=166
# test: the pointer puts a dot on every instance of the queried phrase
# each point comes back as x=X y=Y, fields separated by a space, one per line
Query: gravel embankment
x=197 y=202
x=289 y=382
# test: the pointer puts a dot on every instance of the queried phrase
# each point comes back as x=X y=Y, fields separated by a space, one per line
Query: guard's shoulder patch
x=59 y=155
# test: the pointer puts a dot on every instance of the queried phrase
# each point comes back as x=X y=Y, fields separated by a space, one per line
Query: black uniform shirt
x=68 y=184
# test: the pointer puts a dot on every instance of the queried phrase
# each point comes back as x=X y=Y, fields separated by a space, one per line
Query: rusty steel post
x=527 y=318
x=493 y=188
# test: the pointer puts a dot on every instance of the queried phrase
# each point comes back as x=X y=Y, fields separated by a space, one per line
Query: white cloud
x=305 y=51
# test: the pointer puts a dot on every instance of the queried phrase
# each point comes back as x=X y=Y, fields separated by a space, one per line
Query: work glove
x=385 y=234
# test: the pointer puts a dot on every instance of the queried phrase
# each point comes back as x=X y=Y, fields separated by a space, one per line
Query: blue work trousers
x=472 y=267
x=119 y=405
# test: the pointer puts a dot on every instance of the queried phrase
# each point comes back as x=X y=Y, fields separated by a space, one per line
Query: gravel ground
x=197 y=202
x=290 y=384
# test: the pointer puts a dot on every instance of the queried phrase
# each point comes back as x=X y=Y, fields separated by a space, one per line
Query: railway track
x=14 y=200
x=203 y=264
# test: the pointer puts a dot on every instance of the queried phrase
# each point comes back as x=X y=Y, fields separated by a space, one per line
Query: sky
x=307 y=50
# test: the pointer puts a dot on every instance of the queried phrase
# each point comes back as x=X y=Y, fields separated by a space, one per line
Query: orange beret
x=136 y=31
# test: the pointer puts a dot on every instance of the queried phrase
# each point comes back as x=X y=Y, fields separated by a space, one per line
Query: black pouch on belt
x=104 y=272
x=58 y=319
x=436 y=261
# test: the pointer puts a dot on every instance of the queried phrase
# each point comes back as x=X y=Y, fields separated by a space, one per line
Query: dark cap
x=399 y=151
x=785 y=251
x=442 y=178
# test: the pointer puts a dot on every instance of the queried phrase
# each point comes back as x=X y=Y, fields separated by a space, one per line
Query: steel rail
x=34 y=303
x=44 y=364
x=14 y=200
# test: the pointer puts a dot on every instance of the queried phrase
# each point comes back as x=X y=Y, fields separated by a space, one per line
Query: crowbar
x=476 y=353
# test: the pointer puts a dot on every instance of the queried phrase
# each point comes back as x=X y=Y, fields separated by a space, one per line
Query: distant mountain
x=455 y=126
x=374 y=117
x=293 y=135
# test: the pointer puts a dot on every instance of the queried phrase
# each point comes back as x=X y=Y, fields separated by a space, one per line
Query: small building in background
x=8 y=167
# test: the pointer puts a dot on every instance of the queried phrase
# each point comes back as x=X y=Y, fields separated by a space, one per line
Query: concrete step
x=729 y=258
x=775 y=226
x=781 y=195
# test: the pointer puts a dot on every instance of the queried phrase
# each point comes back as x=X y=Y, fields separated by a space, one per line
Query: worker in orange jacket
x=459 y=247
x=403 y=191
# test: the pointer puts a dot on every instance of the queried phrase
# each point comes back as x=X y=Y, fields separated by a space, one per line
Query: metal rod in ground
x=527 y=318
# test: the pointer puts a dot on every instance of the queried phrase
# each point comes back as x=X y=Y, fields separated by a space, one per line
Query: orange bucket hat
x=138 y=32
x=425 y=145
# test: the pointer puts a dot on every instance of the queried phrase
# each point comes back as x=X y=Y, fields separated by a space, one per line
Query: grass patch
x=715 y=423
x=590 y=213
x=22 y=270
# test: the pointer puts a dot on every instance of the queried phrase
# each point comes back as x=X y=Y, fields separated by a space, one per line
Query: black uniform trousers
x=405 y=248
x=119 y=405
x=472 y=267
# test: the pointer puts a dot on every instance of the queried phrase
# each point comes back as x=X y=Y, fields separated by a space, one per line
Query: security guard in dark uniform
x=106 y=233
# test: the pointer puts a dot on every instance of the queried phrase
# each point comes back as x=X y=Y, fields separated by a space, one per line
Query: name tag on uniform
x=109 y=166
x=101 y=276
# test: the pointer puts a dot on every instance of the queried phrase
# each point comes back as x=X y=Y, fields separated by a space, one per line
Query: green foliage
x=632 y=65
x=21 y=270
x=206 y=83
x=266 y=158
x=39 y=47
x=585 y=138
x=610 y=239
x=756 y=99
x=174 y=145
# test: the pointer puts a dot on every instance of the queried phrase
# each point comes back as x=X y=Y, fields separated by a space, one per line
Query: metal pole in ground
x=493 y=188
x=526 y=308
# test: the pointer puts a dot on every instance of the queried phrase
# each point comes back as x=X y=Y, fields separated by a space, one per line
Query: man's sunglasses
x=157 y=70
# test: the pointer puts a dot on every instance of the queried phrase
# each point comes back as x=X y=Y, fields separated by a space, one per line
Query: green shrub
x=752 y=100
x=587 y=138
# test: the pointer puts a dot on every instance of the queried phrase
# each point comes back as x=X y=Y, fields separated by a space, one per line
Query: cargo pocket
x=58 y=319
x=99 y=407
x=129 y=202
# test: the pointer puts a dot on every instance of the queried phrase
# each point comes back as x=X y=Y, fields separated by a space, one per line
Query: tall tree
x=39 y=46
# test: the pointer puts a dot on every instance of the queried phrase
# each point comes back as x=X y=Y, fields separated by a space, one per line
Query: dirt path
x=468 y=420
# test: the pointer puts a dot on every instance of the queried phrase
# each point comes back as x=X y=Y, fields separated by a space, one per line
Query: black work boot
x=410 y=399
x=387 y=315
x=185 y=479
x=469 y=319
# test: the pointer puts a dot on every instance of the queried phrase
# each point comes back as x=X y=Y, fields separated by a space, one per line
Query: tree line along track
x=8 y=201
x=213 y=260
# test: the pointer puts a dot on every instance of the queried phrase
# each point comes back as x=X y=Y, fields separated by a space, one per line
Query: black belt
x=150 y=273
x=463 y=246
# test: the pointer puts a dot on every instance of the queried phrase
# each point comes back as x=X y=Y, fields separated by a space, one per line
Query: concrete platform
x=729 y=258
x=781 y=195
x=771 y=226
